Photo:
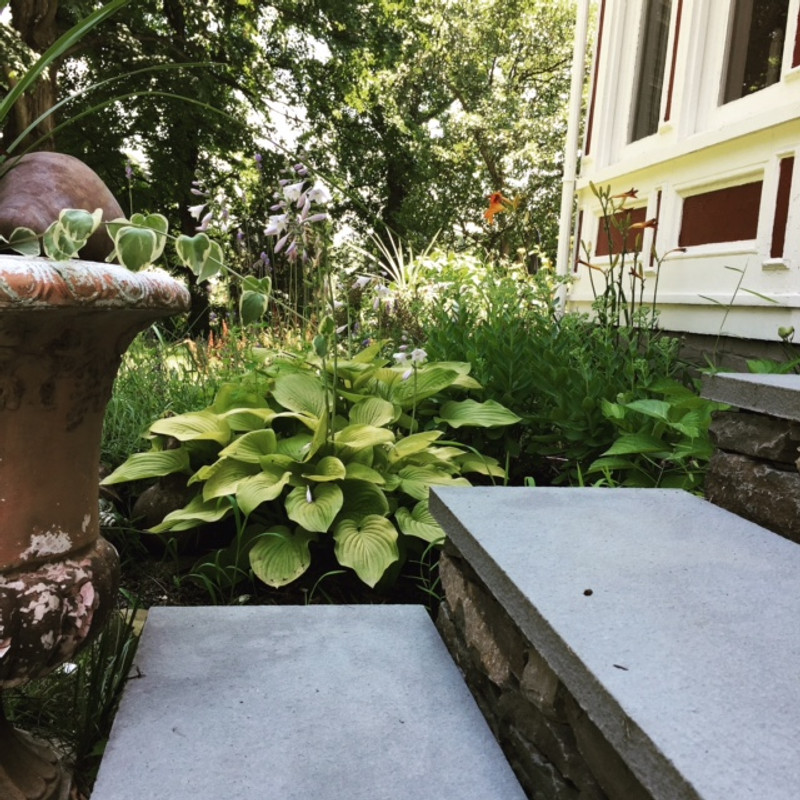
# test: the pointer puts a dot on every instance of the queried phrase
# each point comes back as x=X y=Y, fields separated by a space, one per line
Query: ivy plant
x=338 y=452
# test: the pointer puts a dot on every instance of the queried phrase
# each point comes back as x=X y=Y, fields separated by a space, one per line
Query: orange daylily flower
x=650 y=223
x=630 y=194
x=497 y=205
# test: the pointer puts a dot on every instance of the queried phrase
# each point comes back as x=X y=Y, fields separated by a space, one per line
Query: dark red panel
x=796 y=54
x=636 y=215
x=678 y=13
x=724 y=215
x=590 y=121
x=782 y=207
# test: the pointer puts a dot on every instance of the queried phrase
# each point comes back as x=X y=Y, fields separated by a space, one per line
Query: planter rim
x=40 y=283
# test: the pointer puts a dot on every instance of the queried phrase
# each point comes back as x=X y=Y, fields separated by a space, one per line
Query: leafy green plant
x=324 y=447
x=662 y=439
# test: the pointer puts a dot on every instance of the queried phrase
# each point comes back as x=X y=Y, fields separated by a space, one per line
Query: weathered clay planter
x=63 y=329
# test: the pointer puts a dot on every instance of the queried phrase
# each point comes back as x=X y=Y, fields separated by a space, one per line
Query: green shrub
x=315 y=449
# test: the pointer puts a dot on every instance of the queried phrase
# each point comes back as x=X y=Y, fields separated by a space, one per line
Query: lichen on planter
x=63 y=330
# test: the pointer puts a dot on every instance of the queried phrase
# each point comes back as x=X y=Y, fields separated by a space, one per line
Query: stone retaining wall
x=754 y=470
x=555 y=750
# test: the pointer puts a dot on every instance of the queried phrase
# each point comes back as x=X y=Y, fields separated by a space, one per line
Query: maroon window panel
x=633 y=240
x=724 y=215
x=782 y=207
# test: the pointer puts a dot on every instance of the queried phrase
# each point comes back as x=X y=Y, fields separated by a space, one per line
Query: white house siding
x=702 y=147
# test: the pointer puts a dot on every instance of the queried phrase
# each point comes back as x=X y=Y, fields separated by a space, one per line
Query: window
x=755 y=46
x=652 y=59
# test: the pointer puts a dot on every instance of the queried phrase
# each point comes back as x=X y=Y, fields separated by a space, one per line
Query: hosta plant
x=342 y=453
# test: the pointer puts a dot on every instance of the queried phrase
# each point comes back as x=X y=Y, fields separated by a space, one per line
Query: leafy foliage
x=344 y=449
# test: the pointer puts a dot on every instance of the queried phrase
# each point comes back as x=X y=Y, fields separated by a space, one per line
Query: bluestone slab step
x=674 y=623
x=299 y=703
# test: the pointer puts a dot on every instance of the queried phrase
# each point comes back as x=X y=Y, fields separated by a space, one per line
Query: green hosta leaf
x=410 y=445
x=226 y=478
x=427 y=382
x=152 y=464
x=374 y=411
x=631 y=443
x=315 y=508
x=368 y=547
x=196 y=512
x=196 y=425
x=484 y=465
x=473 y=414
x=279 y=556
x=253 y=446
x=361 y=472
x=296 y=447
x=262 y=488
x=300 y=392
x=360 y=436
x=416 y=481
x=136 y=248
x=24 y=241
x=248 y=419
x=419 y=522
x=362 y=499
x=328 y=468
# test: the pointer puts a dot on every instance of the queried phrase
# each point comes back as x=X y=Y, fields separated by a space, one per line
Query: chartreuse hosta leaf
x=196 y=512
x=362 y=499
x=419 y=522
x=252 y=446
x=315 y=507
x=410 y=445
x=471 y=413
x=279 y=556
x=196 y=425
x=301 y=392
x=368 y=546
x=261 y=488
x=151 y=464
x=360 y=436
x=226 y=475
x=484 y=465
x=248 y=419
x=426 y=383
x=361 y=472
x=374 y=411
x=328 y=468
x=416 y=481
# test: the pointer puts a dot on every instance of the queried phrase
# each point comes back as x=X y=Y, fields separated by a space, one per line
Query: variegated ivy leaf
x=24 y=241
x=419 y=522
x=315 y=508
x=200 y=254
x=157 y=223
x=151 y=464
x=135 y=248
x=369 y=547
x=279 y=556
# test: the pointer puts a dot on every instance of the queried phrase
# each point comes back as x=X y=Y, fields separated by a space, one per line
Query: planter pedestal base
x=30 y=771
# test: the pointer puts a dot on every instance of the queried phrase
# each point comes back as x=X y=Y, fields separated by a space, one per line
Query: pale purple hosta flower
x=197 y=210
x=362 y=281
x=418 y=355
x=316 y=218
x=319 y=194
x=128 y=171
x=205 y=222
x=301 y=170
x=309 y=496
x=400 y=358
x=293 y=191
x=279 y=245
x=277 y=225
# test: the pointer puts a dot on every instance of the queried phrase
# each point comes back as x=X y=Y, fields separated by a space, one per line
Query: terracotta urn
x=63 y=330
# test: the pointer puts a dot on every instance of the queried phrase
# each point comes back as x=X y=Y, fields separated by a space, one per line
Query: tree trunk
x=35 y=20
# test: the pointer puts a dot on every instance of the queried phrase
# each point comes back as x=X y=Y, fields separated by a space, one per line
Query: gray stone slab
x=299 y=703
x=686 y=653
x=776 y=395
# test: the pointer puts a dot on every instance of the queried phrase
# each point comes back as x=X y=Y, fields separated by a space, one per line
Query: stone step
x=299 y=703
x=672 y=623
